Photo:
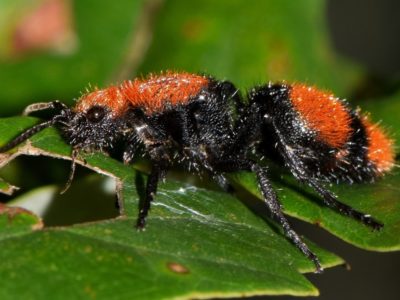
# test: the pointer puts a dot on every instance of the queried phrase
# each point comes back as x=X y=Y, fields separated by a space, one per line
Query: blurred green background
x=57 y=49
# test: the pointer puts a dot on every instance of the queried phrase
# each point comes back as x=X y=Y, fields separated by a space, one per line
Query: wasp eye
x=95 y=114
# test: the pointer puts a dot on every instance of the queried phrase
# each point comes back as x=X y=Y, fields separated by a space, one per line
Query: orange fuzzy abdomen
x=323 y=113
x=380 y=148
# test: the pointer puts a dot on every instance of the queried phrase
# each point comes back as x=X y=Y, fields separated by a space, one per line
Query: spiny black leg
x=30 y=132
x=151 y=189
x=26 y=135
x=329 y=198
x=271 y=200
x=74 y=155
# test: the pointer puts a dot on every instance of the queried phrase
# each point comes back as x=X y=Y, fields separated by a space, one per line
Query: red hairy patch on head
x=380 y=147
x=323 y=113
x=110 y=97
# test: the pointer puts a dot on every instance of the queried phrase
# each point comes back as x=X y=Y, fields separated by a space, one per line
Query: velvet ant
x=204 y=124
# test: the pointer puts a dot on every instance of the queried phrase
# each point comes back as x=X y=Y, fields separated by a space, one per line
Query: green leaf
x=198 y=243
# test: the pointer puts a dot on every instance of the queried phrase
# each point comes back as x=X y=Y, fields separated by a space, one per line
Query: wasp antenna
x=74 y=154
x=27 y=134
x=42 y=106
